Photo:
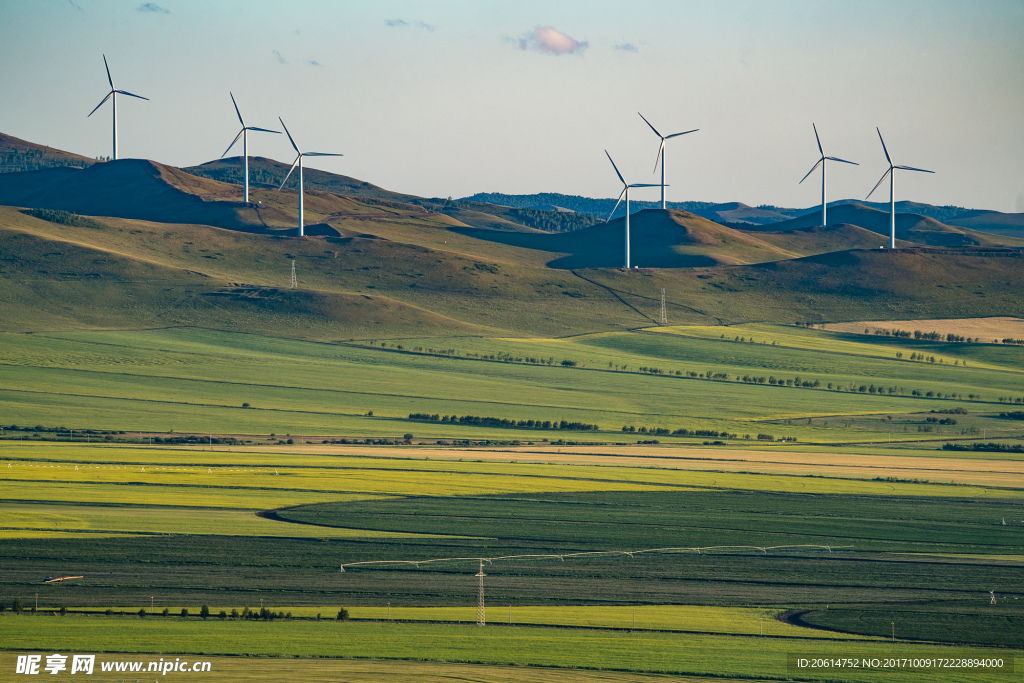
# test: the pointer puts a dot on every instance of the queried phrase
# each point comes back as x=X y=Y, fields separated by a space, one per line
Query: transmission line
x=480 y=612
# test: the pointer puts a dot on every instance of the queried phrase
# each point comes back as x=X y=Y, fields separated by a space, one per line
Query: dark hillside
x=658 y=239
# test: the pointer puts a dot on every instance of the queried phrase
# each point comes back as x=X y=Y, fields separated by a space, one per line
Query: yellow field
x=748 y=621
x=986 y=328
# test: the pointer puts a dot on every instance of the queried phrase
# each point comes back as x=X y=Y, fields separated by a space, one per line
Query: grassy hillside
x=658 y=239
x=268 y=174
x=852 y=285
x=909 y=227
x=438 y=271
x=17 y=156
x=818 y=240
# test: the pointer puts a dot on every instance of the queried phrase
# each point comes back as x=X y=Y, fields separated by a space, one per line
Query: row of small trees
x=263 y=614
x=563 y=425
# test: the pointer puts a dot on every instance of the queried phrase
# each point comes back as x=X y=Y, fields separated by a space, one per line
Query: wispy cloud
x=153 y=7
x=627 y=47
x=280 y=57
x=550 y=41
x=313 y=62
x=402 y=23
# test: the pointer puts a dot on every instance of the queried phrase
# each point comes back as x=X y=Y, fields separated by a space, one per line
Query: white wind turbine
x=245 y=144
x=298 y=162
x=661 y=153
x=112 y=96
x=892 y=200
x=821 y=161
x=624 y=193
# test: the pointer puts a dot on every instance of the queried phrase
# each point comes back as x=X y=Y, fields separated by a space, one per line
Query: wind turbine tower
x=892 y=201
x=821 y=162
x=112 y=96
x=661 y=153
x=625 y=193
x=245 y=144
x=298 y=162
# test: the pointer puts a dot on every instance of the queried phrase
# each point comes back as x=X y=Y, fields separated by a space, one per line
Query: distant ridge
x=1011 y=224
x=731 y=211
x=910 y=227
x=18 y=156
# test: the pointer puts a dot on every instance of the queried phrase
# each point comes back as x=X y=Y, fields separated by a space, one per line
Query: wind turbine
x=298 y=162
x=624 y=193
x=821 y=161
x=661 y=153
x=245 y=144
x=112 y=96
x=892 y=200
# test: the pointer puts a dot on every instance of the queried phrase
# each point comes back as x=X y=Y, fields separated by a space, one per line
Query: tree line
x=476 y=420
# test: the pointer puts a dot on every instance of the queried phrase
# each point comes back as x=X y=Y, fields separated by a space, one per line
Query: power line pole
x=294 y=283
x=480 y=616
x=664 y=318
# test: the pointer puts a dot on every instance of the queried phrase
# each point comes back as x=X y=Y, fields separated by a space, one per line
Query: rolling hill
x=658 y=239
x=168 y=247
x=909 y=227
x=130 y=273
x=17 y=156
x=819 y=240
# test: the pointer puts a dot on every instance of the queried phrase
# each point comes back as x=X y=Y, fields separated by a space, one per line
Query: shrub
x=343 y=614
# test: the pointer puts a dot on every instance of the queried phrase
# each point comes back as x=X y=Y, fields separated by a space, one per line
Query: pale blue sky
x=457 y=97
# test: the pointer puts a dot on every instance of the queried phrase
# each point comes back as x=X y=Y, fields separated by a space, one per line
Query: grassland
x=400 y=274
x=179 y=526
x=644 y=652
x=188 y=380
x=231 y=526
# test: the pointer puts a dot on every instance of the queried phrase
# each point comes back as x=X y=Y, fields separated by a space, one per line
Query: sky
x=449 y=98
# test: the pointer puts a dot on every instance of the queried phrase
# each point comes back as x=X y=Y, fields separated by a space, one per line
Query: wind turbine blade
x=820 y=150
x=288 y=175
x=652 y=127
x=842 y=160
x=320 y=154
x=911 y=168
x=615 y=208
x=101 y=103
x=884 y=176
x=883 y=147
x=289 y=136
x=675 y=135
x=820 y=162
x=648 y=185
x=264 y=130
x=109 y=79
x=237 y=137
x=661 y=150
x=236 y=109
x=615 y=167
x=125 y=92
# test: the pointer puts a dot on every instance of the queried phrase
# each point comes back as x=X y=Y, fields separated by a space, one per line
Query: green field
x=727 y=656
x=196 y=381
x=853 y=526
